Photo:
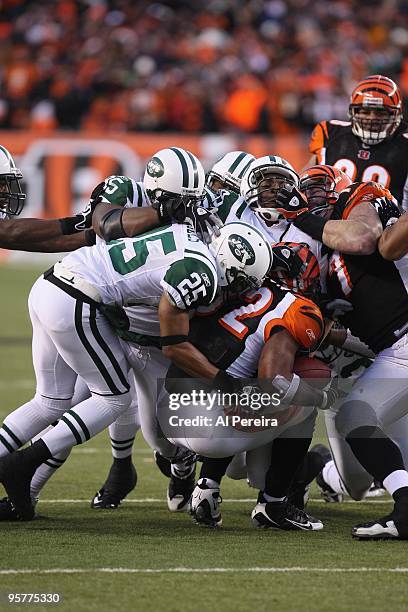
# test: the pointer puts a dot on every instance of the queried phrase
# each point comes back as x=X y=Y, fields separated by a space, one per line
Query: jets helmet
x=174 y=173
x=11 y=196
x=263 y=180
x=228 y=171
x=243 y=257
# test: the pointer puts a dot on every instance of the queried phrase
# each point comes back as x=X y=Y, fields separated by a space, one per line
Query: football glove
x=287 y=260
x=290 y=202
x=83 y=220
x=387 y=210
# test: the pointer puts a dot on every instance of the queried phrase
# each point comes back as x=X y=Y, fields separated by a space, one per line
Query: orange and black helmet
x=375 y=93
x=322 y=186
x=307 y=282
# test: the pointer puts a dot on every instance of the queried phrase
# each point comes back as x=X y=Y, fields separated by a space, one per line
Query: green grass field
x=143 y=558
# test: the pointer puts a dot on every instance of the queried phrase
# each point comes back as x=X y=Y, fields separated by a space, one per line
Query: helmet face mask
x=375 y=109
x=12 y=198
x=322 y=186
x=263 y=181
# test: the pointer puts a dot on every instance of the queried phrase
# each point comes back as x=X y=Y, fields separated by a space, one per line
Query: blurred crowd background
x=241 y=66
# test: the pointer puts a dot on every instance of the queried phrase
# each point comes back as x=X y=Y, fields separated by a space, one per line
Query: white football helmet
x=174 y=173
x=263 y=180
x=228 y=171
x=243 y=257
x=11 y=197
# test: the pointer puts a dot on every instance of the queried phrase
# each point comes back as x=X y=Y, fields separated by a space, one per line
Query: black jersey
x=334 y=143
x=376 y=288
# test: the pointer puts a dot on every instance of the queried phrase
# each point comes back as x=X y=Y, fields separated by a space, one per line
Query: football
x=314 y=369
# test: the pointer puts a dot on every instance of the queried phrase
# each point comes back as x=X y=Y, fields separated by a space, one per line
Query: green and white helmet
x=243 y=257
x=11 y=196
x=228 y=171
x=262 y=182
x=174 y=173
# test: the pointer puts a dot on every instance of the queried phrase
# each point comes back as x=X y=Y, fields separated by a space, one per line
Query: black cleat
x=7 y=510
x=15 y=475
x=121 y=480
x=283 y=515
x=179 y=492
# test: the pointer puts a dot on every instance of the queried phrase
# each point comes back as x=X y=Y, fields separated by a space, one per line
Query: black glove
x=287 y=260
x=331 y=394
x=290 y=202
x=333 y=309
x=205 y=222
x=83 y=220
x=387 y=210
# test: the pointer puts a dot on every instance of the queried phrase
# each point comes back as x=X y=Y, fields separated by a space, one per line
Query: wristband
x=287 y=388
x=311 y=224
x=169 y=340
x=68 y=225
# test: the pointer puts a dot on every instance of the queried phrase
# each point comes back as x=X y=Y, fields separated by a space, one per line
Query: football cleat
x=7 y=510
x=283 y=515
x=326 y=492
x=120 y=482
x=179 y=492
x=385 y=528
x=376 y=490
x=15 y=475
x=204 y=505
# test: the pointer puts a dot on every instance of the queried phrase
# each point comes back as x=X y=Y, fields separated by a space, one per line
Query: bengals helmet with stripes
x=380 y=95
x=322 y=186
x=174 y=173
x=307 y=282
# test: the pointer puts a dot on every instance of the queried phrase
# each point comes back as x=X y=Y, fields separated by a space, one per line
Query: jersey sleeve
x=319 y=140
x=122 y=191
x=363 y=192
x=190 y=283
x=224 y=202
x=303 y=320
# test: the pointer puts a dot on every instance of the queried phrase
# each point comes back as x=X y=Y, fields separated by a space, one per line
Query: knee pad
x=50 y=408
x=353 y=415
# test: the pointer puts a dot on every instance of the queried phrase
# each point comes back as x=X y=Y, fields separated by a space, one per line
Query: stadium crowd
x=192 y=67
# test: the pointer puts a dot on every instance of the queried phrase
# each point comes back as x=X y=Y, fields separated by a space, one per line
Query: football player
x=265 y=335
x=37 y=235
x=373 y=144
x=137 y=271
x=376 y=292
x=227 y=172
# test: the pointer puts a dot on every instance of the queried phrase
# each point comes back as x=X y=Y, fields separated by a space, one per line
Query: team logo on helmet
x=241 y=249
x=155 y=167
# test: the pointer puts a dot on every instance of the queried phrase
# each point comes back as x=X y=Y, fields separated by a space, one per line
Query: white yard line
x=207 y=570
x=156 y=500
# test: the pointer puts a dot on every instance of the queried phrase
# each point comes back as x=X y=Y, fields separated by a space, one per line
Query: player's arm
x=393 y=243
x=356 y=235
x=111 y=222
x=174 y=331
x=38 y=235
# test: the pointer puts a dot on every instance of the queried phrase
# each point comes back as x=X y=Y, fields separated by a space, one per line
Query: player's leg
x=88 y=345
x=206 y=498
x=55 y=382
x=276 y=465
x=122 y=476
x=378 y=399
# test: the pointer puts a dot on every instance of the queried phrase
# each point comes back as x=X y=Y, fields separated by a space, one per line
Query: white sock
x=122 y=433
x=332 y=478
x=20 y=426
x=396 y=480
x=42 y=475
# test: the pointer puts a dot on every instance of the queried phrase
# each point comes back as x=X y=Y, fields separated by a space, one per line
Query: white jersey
x=234 y=208
x=135 y=272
